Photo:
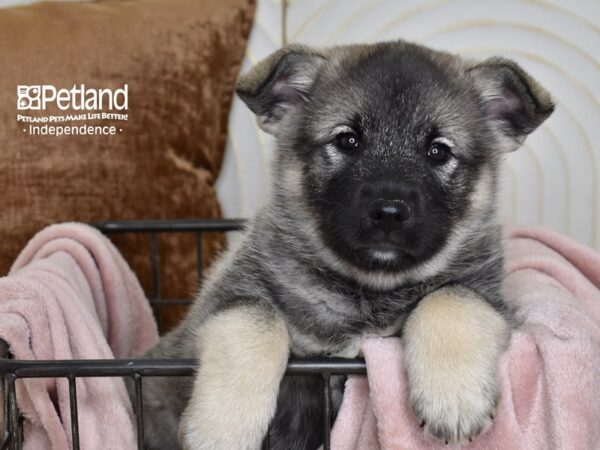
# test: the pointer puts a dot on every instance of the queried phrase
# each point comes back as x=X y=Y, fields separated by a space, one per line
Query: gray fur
x=297 y=256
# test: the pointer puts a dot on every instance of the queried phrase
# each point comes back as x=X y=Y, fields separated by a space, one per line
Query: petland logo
x=80 y=104
x=77 y=98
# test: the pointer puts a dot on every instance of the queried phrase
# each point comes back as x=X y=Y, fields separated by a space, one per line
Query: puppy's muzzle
x=388 y=207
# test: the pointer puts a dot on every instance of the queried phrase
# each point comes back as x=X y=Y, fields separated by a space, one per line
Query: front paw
x=454 y=407
x=453 y=341
x=243 y=352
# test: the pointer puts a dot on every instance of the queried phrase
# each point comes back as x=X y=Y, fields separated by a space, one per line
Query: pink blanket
x=550 y=373
x=70 y=295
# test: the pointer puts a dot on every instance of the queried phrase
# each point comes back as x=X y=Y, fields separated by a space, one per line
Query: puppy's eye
x=347 y=141
x=438 y=152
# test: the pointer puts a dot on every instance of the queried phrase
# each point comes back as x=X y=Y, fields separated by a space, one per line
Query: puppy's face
x=391 y=147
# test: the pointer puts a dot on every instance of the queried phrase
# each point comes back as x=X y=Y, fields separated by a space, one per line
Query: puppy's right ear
x=278 y=83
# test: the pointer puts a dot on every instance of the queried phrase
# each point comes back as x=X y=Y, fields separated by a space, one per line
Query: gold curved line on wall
x=238 y=173
x=308 y=22
x=426 y=6
x=540 y=170
x=345 y=24
x=410 y=12
x=267 y=31
x=560 y=9
x=594 y=170
x=503 y=23
x=283 y=5
x=565 y=161
x=251 y=56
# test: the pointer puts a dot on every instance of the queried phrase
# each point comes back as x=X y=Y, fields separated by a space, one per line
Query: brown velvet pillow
x=180 y=59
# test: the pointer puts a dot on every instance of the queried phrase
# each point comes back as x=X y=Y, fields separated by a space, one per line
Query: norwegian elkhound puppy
x=382 y=220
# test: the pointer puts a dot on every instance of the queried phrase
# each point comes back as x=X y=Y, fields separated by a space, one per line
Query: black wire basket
x=136 y=369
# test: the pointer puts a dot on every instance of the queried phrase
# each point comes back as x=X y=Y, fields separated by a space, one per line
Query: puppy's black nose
x=388 y=215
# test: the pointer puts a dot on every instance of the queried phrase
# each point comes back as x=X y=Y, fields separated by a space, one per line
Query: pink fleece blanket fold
x=70 y=295
x=550 y=374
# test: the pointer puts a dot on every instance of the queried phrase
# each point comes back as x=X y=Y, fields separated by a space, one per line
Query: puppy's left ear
x=515 y=103
x=279 y=83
